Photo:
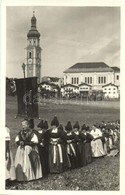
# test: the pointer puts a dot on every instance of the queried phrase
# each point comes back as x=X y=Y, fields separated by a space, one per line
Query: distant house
x=110 y=91
x=54 y=80
x=48 y=86
x=69 y=89
x=84 y=88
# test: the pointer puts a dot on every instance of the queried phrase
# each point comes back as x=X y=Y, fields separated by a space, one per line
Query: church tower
x=33 y=52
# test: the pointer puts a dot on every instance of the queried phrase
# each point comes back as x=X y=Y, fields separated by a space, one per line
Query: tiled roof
x=110 y=84
x=115 y=68
x=89 y=67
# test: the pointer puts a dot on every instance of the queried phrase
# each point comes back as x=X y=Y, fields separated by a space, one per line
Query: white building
x=95 y=74
x=54 y=80
x=48 y=86
x=110 y=91
x=69 y=89
x=84 y=88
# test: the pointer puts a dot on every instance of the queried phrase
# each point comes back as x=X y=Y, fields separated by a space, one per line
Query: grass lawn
x=101 y=174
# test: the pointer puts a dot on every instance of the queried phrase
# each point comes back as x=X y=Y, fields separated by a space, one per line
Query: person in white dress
x=96 y=143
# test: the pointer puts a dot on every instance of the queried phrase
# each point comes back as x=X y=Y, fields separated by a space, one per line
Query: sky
x=68 y=35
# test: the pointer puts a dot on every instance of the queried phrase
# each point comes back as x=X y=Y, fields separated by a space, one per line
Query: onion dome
x=33 y=32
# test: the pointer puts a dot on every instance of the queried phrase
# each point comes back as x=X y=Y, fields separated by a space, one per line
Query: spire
x=33 y=21
x=33 y=32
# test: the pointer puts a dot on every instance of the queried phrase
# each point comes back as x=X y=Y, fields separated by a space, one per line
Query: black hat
x=68 y=127
x=60 y=127
x=76 y=125
x=55 y=121
x=83 y=127
x=45 y=125
x=87 y=128
x=41 y=124
x=31 y=123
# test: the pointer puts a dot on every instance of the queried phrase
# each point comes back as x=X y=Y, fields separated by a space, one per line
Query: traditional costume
x=72 y=149
x=58 y=158
x=27 y=160
x=87 y=145
x=96 y=143
x=78 y=138
x=43 y=146
x=9 y=163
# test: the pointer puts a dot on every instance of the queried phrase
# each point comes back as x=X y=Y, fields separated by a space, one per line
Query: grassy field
x=101 y=174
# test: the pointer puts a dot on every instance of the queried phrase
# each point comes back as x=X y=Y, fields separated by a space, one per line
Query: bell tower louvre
x=33 y=51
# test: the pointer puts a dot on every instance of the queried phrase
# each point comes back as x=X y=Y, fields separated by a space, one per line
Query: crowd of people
x=44 y=150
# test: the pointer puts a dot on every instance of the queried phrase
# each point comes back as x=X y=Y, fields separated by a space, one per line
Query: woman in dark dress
x=42 y=146
x=72 y=149
x=79 y=144
x=87 y=144
x=58 y=160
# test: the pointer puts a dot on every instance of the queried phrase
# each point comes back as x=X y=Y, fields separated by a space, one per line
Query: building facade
x=33 y=52
x=110 y=91
x=95 y=74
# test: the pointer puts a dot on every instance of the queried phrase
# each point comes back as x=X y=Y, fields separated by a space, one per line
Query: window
x=30 y=54
x=109 y=92
x=105 y=88
x=101 y=80
x=114 y=88
x=117 y=77
x=114 y=92
x=77 y=80
x=98 y=79
x=90 y=80
x=109 y=88
x=85 y=79
x=104 y=79
x=72 y=80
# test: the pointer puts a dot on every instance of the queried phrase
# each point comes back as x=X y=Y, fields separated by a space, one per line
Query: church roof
x=89 y=67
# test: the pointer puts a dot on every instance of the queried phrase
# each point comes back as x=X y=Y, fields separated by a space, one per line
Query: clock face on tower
x=29 y=61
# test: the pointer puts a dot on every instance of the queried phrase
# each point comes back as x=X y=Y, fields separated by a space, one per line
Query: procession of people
x=45 y=150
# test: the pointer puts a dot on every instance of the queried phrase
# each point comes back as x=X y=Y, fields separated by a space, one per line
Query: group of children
x=59 y=148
